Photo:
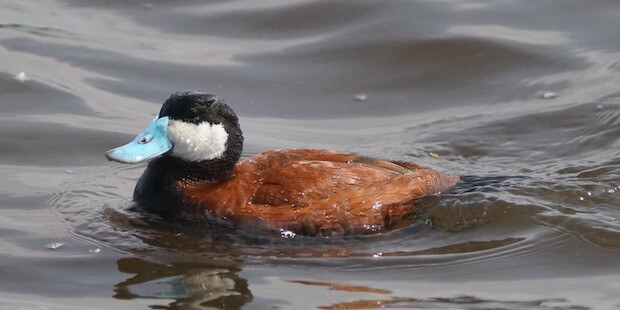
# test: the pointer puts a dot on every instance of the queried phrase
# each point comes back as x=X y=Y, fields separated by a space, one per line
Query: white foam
x=22 y=77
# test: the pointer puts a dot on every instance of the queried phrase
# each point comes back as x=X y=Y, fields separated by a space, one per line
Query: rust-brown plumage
x=309 y=192
x=316 y=192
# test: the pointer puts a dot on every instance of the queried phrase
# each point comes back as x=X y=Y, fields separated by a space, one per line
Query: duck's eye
x=146 y=139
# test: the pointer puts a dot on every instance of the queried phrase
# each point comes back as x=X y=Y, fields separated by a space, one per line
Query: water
x=521 y=98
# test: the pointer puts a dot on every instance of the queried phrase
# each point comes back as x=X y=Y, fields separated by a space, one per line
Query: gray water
x=520 y=98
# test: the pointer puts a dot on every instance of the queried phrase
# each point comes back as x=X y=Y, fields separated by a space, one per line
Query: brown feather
x=317 y=192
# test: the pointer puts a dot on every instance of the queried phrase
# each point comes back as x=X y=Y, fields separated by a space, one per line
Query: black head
x=197 y=106
x=195 y=109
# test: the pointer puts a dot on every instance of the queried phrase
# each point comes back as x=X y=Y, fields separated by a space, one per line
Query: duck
x=194 y=146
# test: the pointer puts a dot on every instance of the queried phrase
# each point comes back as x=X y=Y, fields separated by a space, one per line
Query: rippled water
x=520 y=98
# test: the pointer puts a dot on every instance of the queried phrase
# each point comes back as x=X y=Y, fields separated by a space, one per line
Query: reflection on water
x=464 y=302
x=457 y=86
x=190 y=285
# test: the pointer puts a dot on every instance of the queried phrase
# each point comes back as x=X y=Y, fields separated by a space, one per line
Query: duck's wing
x=302 y=177
x=324 y=155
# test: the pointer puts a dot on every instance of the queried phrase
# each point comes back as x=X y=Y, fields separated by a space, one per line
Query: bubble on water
x=22 y=77
x=70 y=171
x=54 y=246
x=360 y=97
x=548 y=95
x=94 y=251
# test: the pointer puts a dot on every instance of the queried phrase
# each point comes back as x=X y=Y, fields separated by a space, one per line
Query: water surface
x=520 y=98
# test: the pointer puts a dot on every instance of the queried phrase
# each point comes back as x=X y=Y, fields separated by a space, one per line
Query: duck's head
x=192 y=127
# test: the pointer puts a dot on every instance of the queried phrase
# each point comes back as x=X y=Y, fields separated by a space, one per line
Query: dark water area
x=520 y=98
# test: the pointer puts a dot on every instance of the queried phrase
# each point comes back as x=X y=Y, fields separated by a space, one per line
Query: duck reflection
x=179 y=265
x=188 y=285
x=186 y=265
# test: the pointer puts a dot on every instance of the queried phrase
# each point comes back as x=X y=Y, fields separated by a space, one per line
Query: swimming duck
x=194 y=146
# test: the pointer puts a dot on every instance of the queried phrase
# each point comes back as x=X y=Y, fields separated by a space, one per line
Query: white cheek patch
x=197 y=142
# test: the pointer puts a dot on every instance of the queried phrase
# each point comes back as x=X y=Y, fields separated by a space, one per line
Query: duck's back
x=315 y=192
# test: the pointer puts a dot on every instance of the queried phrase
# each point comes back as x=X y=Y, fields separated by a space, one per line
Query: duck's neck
x=214 y=170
